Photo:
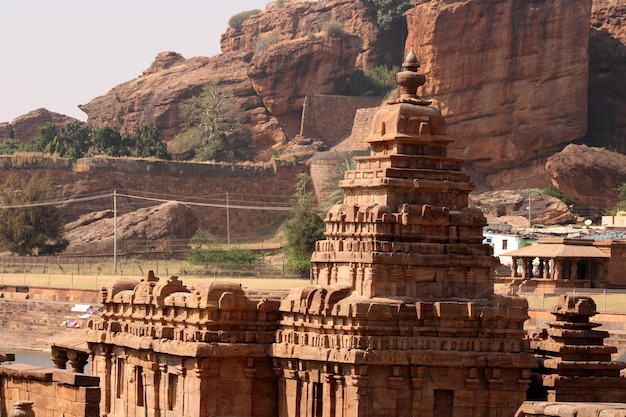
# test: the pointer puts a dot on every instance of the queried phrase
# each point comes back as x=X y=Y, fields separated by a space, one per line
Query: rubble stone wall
x=165 y=179
x=330 y=117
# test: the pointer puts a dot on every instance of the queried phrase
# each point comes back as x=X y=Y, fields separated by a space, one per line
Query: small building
x=586 y=263
x=503 y=242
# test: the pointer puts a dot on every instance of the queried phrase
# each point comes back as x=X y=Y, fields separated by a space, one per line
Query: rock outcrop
x=153 y=98
x=24 y=128
x=588 y=176
x=154 y=224
x=510 y=77
x=287 y=72
x=301 y=19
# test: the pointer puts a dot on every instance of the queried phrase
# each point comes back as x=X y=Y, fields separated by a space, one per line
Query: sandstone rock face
x=24 y=128
x=607 y=75
x=153 y=98
x=289 y=71
x=588 y=176
x=165 y=221
x=510 y=77
x=300 y=19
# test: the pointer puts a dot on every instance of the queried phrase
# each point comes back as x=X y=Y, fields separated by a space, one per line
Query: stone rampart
x=53 y=393
x=247 y=184
x=331 y=117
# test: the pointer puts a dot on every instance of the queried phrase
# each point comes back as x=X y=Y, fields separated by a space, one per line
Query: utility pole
x=115 y=231
x=227 y=221
x=530 y=223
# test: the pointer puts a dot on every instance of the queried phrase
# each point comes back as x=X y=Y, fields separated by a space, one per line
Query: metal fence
x=607 y=300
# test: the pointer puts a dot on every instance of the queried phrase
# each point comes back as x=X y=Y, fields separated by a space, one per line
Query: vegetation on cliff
x=389 y=12
x=28 y=228
x=212 y=127
x=76 y=140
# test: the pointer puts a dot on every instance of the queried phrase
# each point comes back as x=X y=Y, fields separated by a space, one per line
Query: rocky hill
x=517 y=81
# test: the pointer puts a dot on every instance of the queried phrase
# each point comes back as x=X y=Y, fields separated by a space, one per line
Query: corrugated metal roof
x=557 y=250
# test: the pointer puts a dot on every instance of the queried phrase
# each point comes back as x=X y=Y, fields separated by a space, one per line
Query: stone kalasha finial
x=22 y=409
x=572 y=307
x=409 y=80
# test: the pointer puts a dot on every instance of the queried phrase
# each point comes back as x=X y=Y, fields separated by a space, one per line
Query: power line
x=160 y=200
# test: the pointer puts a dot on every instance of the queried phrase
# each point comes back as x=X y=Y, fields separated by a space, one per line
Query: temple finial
x=409 y=80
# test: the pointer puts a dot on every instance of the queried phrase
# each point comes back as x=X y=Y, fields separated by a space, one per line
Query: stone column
x=546 y=268
x=59 y=358
x=573 y=268
x=78 y=361
x=514 y=267
x=558 y=269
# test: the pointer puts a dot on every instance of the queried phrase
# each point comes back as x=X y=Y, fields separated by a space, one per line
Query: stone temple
x=402 y=319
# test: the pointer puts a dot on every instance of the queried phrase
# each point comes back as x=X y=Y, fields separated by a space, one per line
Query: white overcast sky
x=58 y=54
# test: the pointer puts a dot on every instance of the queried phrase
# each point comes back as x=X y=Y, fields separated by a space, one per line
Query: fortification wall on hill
x=246 y=184
x=331 y=117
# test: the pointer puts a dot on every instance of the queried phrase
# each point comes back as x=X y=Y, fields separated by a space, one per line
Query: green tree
x=206 y=251
x=45 y=136
x=621 y=203
x=378 y=81
x=73 y=141
x=304 y=227
x=210 y=118
x=30 y=230
x=331 y=185
x=109 y=141
x=11 y=146
x=146 y=143
x=389 y=12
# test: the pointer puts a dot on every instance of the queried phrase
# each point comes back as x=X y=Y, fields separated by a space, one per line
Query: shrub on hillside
x=333 y=28
x=236 y=21
x=265 y=42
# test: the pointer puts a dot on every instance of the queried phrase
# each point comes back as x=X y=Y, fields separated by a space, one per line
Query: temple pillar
x=59 y=358
x=514 y=267
x=78 y=361
x=573 y=268
x=558 y=269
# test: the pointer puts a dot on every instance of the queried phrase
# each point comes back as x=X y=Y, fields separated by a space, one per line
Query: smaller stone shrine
x=574 y=364
x=162 y=349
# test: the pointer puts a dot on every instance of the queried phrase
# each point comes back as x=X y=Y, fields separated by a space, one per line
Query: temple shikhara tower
x=402 y=319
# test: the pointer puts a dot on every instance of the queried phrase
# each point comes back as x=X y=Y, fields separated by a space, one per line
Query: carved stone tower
x=403 y=320
x=404 y=228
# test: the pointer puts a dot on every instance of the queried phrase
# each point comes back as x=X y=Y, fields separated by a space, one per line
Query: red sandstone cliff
x=607 y=75
x=510 y=77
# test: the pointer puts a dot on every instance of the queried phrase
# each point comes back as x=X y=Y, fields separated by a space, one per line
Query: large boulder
x=508 y=205
x=510 y=77
x=93 y=232
x=288 y=71
x=588 y=176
